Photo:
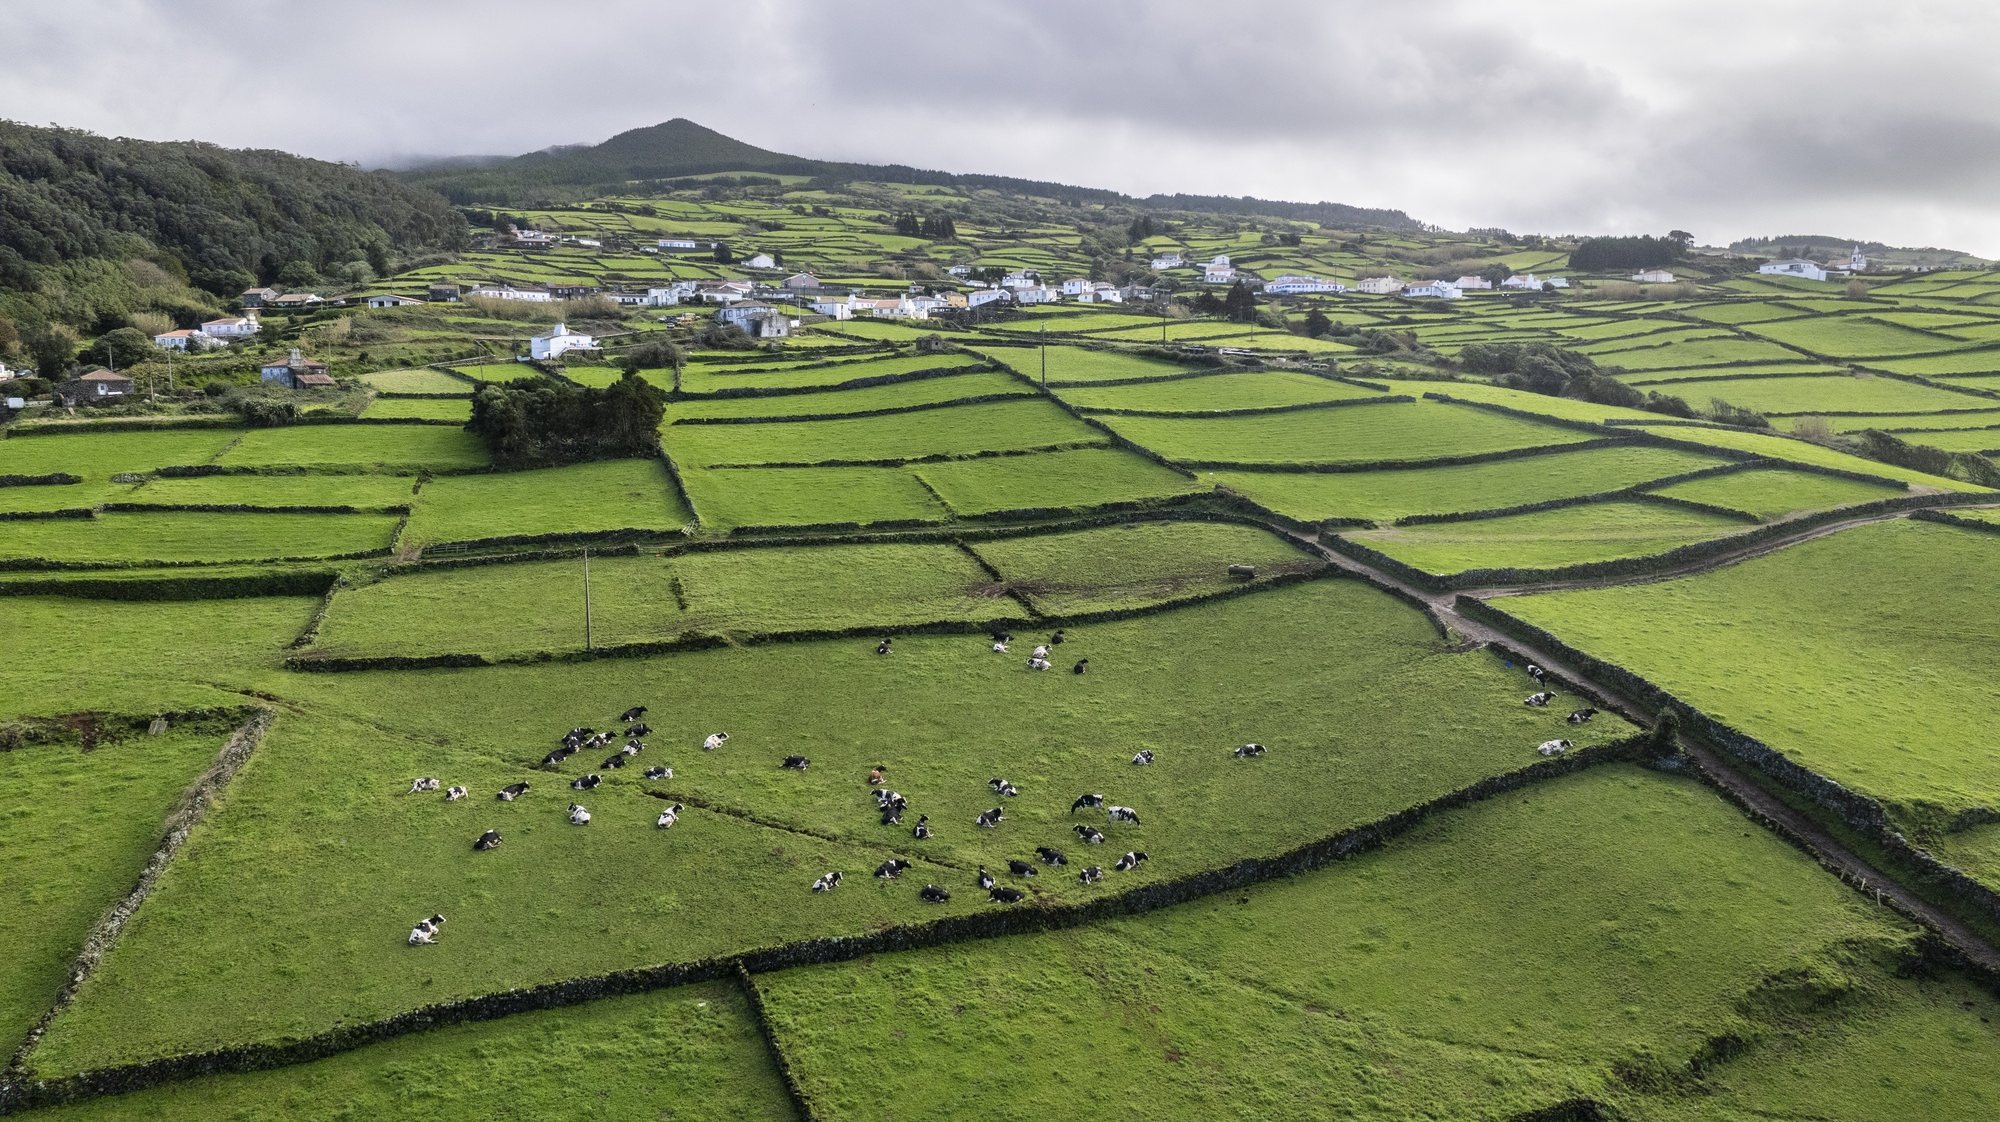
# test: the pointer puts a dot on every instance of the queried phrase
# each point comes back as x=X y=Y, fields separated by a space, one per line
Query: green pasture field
x=1717 y=351
x=497 y=371
x=1838 y=393
x=98 y=456
x=1772 y=493
x=59 y=496
x=83 y=823
x=1985 y=361
x=1895 y=422
x=1547 y=539
x=1362 y=719
x=691 y=1051
x=174 y=535
x=1136 y=565
x=1397 y=432
x=1740 y=312
x=1852 y=337
x=1665 y=378
x=183 y=654
x=1560 y=408
x=1383 y=496
x=1957 y=440
x=417 y=381
x=1203 y=331
x=1250 y=389
x=406 y=448
x=1456 y=973
x=727 y=498
x=633 y=599
x=896 y=395
x=1078 y=364
x=1083 y=477
x=874 y=329
x=998 y=426
x=700 y=381
x=1859 y=655
x=1080 y=321
x=1285 y=341
x=364 y=492
x=419 y=409
x=1799 y=451
x=580 y=498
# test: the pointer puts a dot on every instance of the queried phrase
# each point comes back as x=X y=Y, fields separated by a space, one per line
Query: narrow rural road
x=1809 y=835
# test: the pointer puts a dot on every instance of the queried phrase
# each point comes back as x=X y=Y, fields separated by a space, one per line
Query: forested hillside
x=94 y=229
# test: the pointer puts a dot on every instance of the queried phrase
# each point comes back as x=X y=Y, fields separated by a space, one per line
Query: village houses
x=558 y=341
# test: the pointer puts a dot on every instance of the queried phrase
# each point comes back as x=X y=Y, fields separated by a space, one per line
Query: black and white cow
x=828 y=881
x=1021 y=868
x=511 y=792
x=1143 y=757
x=1051 y=856
x=922 y=830
x=557 y=757
x=670 y=816
x=1130 y=861
x=999 y=646
x=933 y=894
x=427 y=783
x=1248 y=751
x=1039 y=663
x=1056 y=640
x=1582 y=716
x=1082 y=665
x=892 y=815
x=454 y=793
x=639 y=730
x=795 y=763
x=657 y=773
x=613 y=762
x=1537 y=673
x=1537 y=700
x=488 y=840
x=892 y=868
x=714 y=740
x=883 y=647
x=1123 y=814
x=578 y=816
x=985 y=878
x=1091 y=875
x=989 y=819
x=632 y=714
x=1086 y=801
x=1553 y=747
x=586 y=782
x=1089 y=835
x=1003 y=894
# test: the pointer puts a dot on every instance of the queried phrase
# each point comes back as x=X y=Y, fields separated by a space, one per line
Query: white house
x=182 y=340
x=1653 y=276
x=980 y=297
x=800 y=281
x=760 y=261
x=1038 y=294
x=1098 y=292
x=1522 y=280
x=1026 y=278
x=558 y=341
x=959 y=271
x=7 y=375
x=1139 y=293
x=669 y=296
x=503 y=291
x=760 y=320
x=231 y=327
x=836 y=307
x=1557 y=282
x=1378 y=286
x=1218 y=271
x=1437 y=289
x=680 y=241
x=391 y=300
x=1292 y=284
x=1075 y=286
x=724 y=292
x=1794 y=267
x=742 y=311
x=1166 y=261
x=1470 y=283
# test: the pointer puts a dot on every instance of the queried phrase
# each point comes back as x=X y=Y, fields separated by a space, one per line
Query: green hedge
x=292 y=582
x=247 y=508
x=21 y=1094
x=52 y=478
x=130 y=424
x=35 y=515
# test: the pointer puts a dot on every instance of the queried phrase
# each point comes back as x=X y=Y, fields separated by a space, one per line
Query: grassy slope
x=368 y=492
x=1420 y=430
x=994 y=426
x=1861 y=655
x=1773 y=493
x=607 y=495
x=1363 y=718
x=1135 y=565
x=172 y=535
x=1546 y=539
x=1248 y=390
x=727 y=498
x=1081 y=477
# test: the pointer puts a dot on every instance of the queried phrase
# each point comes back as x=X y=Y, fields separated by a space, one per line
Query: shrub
x=543 y=422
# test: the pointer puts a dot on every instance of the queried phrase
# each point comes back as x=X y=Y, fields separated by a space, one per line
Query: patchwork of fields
x=1161 y=562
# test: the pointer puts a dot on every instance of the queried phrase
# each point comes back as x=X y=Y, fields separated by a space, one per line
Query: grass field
x=1375 y=697
x=1067 y=364
x=961 y=430
x=1383 y=496
x=728 y=498
x=1859 y=654
x=98 y=456
x=692 y=1052
x=457 y=409
x=1548 y=539
x=698 y=379
x=1774 y=493
x=173 y=535
x=1135 y=565
x=1453 y=974
x=1247 y=390
x=897 y=395
x=582 y=498
x=1083 y=477
x=364 y=492
x=83 y=823
x=1388 y=433
x=1777 y=447
x=405 y=448
x=1835 y=393
x=417 y=381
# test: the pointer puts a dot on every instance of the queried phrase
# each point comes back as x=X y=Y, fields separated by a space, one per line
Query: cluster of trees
x=1641 y=252
x=1560 y=372
x=540 y=422
x=937 y=227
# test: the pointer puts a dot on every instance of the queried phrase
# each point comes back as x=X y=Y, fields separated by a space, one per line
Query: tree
x=1317 y=324
x=120 y=348
x=1239 y=305
x=539 y=422
x=51 y=345
x=656 y=355
x=1495 y=273
x=723 y=254
x=1685 y=239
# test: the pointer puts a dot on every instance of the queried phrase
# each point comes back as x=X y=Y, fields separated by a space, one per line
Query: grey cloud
x=1560 y=116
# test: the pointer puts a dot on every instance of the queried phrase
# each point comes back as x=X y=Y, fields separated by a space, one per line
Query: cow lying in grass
x=1537 y=700
x=426 y=931
x=1553 y=747
x=672 y=815
x=827 y=882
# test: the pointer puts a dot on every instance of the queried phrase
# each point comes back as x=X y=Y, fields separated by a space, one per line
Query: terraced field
x=1385 y=434
x=1549 y=539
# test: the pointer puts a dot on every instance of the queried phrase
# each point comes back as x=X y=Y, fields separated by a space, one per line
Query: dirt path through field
x=1809 y=835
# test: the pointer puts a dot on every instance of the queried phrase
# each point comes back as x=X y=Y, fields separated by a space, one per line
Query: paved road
x=1823 y=846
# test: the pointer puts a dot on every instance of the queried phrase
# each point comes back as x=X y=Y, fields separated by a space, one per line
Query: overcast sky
x=1725 y=118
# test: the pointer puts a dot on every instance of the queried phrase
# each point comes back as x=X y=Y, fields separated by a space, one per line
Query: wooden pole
x=586 y=598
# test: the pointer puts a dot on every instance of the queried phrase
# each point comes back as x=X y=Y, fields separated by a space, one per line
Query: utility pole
x=586 y=599
x=1044 y=348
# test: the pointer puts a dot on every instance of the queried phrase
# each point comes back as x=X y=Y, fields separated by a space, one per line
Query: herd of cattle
x=890 y=804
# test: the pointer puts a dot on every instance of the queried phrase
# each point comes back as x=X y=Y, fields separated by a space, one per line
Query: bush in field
x=266 y=412
x=1728 y=414
x=1813 y=428
x=540 y=422
x=656 y=355
x=1878 y=445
